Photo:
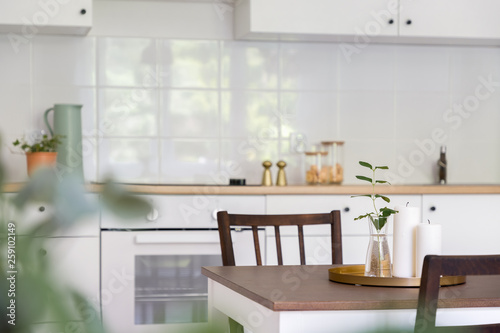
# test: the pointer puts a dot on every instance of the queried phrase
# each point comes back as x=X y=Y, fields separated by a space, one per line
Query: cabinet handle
x=41 y=209
x=152 y=215
x=408 y=22
x=83 y=11
x=433 y=208
x=391 y=21
x=347 y=209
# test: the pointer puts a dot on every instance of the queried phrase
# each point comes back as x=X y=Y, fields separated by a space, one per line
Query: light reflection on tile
x=129 y=160
x=311 y=113
x=190 y=113
x=189 y=64
x=126 y=62
x=132 y=112
x=249 y=65
x=189 y=161
x=250 y=114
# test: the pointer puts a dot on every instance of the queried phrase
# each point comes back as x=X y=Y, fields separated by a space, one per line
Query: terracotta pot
x=40 y=159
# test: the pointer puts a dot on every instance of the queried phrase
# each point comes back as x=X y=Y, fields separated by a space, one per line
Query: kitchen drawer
x=187 y=211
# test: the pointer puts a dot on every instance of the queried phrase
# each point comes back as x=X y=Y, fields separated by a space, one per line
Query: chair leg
x=235 y=327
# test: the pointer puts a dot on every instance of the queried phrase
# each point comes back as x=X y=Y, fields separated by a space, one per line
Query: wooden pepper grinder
x=281 y=181
x=267 y=179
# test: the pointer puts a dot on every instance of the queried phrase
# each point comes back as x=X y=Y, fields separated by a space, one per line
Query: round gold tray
x=355 y=275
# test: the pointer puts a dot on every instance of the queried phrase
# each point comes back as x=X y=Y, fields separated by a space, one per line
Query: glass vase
x=378 y=256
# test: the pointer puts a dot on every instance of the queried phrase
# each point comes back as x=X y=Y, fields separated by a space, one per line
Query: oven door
x=151 y=280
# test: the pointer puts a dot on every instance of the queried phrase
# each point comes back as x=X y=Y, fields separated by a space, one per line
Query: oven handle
x=176 y=238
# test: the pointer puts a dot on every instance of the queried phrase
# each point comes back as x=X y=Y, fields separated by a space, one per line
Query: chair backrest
x=435 y=266
x=226 y=221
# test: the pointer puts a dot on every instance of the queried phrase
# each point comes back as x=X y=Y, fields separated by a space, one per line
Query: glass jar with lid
x=335 y=157
x=324 y=168
x=312 y=167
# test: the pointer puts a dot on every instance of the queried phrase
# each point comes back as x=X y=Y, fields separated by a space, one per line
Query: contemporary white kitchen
x=179 y=97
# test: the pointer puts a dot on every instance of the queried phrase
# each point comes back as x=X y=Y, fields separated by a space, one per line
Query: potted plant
x=378 y=257
x=41 y=152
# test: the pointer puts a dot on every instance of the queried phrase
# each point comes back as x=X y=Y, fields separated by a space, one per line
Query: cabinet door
x=29 y=219
x=470 y=223
x=319 y=17
x=53 y=16
x=450 y=18
x=73 y=263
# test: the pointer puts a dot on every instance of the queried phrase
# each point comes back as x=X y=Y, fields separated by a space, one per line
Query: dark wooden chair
x=434 y=267
x=226 y=221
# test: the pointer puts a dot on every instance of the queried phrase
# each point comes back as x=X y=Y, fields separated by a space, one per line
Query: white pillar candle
x=428 y=242
x=405 y=223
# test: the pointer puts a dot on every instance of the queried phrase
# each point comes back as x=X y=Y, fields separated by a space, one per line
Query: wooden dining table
x=297 y=299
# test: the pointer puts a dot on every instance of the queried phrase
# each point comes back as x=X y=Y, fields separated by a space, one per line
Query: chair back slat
x=301 y=245
x=256 y=244
x=226 y=221
x=435 y=266
x=278 y=244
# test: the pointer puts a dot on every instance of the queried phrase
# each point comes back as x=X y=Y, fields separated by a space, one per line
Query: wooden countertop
x=291 y=189
x=299 y=288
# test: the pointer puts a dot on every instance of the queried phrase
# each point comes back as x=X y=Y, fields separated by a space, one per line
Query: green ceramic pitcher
x=68 y=124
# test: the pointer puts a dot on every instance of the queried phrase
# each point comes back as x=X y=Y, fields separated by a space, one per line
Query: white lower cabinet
x=470 y=222
x=317 y=239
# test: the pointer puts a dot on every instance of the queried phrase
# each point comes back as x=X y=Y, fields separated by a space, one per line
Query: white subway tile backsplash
x=189 y=114
x=130 y=112
x=59 y=60
x=16 y=110
x=474 y=118
x=129 y=160
x=422 y=68
x=308 y=66
x=15 y=63
x=189 y=64
x=468 y=64
x=420 y=113
x=371 y=68
x=313 y=114
x=200 y=111
x=189 y=161
x=366 y=115
x=473 y=162
x=249 y=65
x=127 y=62
x=249 y=114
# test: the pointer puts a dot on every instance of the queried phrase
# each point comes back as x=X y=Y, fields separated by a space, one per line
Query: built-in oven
x=151 y=277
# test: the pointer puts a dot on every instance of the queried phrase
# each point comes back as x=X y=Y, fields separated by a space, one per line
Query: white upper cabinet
x=361 y=21
x=31 y=17
x=314 y=19
x=454 y=19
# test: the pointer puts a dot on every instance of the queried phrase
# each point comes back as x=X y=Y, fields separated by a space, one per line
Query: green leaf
x=386 y=199
x=380 y=222
x=386 y=212
x=366 y=164
x=382 y=167
x=123 y=204
x=382 y=182
x=364 y=178
x=361 y=195
x=360 y=217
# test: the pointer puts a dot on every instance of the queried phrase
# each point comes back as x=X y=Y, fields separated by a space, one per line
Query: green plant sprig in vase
x=378 y=259
x=44 y=145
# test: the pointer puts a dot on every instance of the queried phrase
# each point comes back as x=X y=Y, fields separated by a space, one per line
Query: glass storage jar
x=335 y=157
x=324 y=168
x=312 y=167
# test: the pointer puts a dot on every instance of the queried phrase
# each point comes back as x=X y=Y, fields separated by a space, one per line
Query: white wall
x=169 y=97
